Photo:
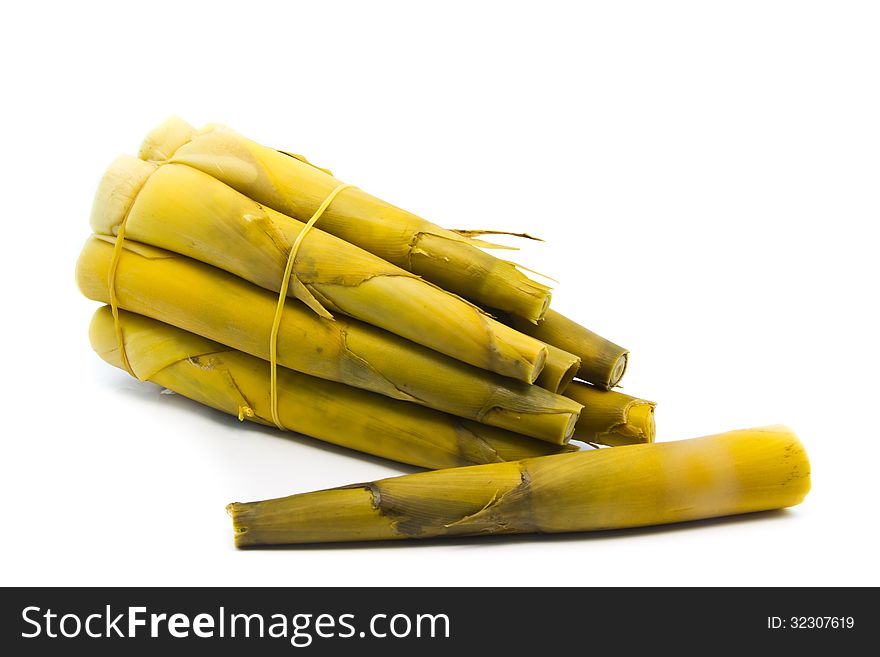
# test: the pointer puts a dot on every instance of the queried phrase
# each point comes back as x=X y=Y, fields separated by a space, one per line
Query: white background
x=705 y=176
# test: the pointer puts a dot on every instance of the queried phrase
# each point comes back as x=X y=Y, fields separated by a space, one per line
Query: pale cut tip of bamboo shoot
x=116 y=192
x=164 y=140
x=618 y=370
x=539 y=362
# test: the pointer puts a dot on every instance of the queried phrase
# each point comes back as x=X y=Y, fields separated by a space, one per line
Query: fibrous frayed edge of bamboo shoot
x=731 y=473
x=292 y=185
x=186 y=211
x=220 y=306
x=610 y=417
x=238 y=384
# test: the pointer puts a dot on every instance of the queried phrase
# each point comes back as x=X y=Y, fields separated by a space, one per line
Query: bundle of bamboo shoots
x=254 y=282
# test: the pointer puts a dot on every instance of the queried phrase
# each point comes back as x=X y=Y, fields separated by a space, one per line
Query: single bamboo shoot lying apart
x=184 y=210
x=222 y=307
x=238 y=384
x=726 y=474
x=295 y=187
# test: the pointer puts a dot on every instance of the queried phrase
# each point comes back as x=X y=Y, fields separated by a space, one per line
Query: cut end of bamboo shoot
x=537 y=366
x=641 y=416
x=559 y=370
x=618 y=370
x=568 y=377
x=162 y=142
x=603 y=363
x=119 y=187
x=610 y=417
x=636 y=426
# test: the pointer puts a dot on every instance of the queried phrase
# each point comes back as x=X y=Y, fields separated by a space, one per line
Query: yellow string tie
x=114 y=304
x=282 y=298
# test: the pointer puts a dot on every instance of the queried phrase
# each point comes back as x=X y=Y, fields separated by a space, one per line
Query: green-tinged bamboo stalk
x=223 y=307
x=291 y=185
x=637 y=485
x=179 y=208
x=559 y=370
x=238 y=384
x=603 y=363
x=610 y=417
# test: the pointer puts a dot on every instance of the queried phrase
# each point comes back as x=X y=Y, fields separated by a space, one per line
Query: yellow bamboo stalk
x=295 y=187
x=603 y=363
x=238 y=384
x=731 y=473
x=179 y=208
x=223 y=307
x=610 y=417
